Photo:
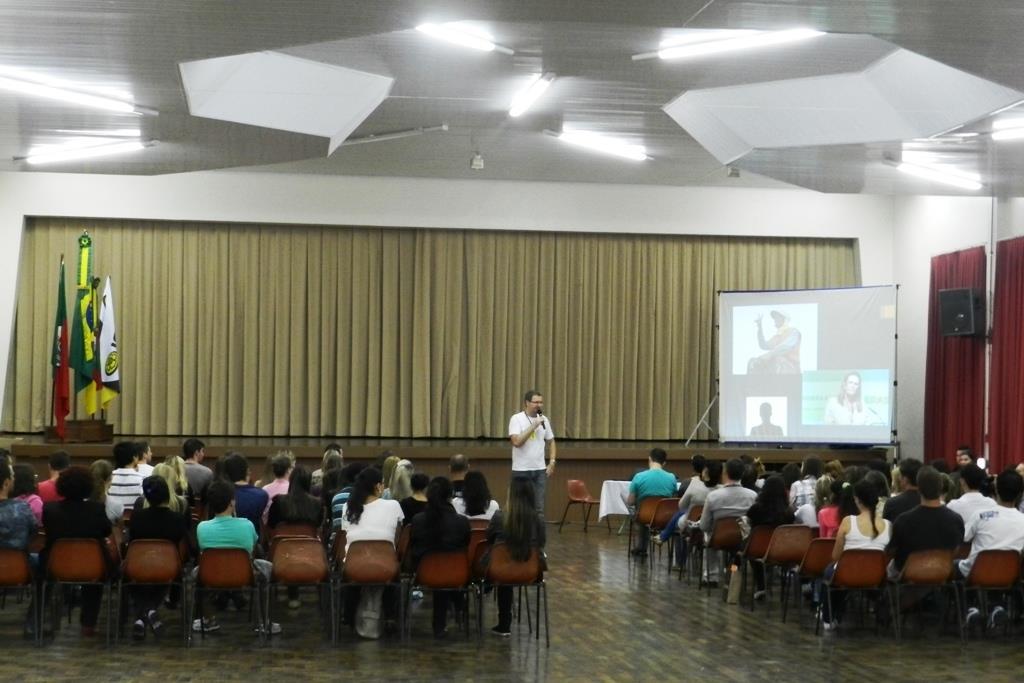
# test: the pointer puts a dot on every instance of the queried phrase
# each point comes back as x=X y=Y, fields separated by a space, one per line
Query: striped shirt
x=125 y=487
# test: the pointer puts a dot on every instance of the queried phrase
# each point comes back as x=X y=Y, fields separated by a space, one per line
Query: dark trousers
x=91 y=596
x=441 y=602
x=504 y=608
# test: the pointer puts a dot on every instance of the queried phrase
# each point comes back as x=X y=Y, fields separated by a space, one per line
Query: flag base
x=81 y=431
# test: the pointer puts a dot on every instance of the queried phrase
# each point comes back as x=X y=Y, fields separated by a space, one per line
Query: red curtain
x=1006 y=389
x=954 y=385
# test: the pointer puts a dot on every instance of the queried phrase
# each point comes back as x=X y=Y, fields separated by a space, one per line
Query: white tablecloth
x=613 y=499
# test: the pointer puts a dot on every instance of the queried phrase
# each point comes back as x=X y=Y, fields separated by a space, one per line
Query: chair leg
x=586 y=515
x=538 y=613
x=564 y=513
x=547 y=626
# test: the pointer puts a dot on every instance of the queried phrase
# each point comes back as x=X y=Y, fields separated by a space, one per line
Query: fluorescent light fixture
x=1008 y=134
x=603 y=144
x=1003 y=124
x=703 y=36
x=70 y=96
x=1008 y=129
x=50 y=156
x=464 y=36
x=99 y=133
x=966 y=181
x=754 y=39
x=528 y=95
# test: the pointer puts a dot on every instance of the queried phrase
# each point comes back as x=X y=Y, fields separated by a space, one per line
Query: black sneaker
x=153 y=620
x=497 y=630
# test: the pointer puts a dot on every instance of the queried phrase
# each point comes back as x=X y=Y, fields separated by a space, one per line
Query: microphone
x=543 y=421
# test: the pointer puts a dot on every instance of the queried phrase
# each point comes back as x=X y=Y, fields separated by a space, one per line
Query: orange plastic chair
x=444 y=571
x=643 y=517
x=786 y=551
x=290 y=530
x=933 y=568
x=299 y=561
x=225 y=569
x=860 y=571
x=695 y=539
x=994 y=570
x=754 y=551
x=579 y=495
x=479 y=524
x=502 y=570
x=370 y=563
x=77 y=561
x=816 y=559
x=151 y=562
x=726 y=538
x=16 y=572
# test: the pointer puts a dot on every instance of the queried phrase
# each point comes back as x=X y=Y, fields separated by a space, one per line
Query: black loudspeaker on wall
x=961 y=312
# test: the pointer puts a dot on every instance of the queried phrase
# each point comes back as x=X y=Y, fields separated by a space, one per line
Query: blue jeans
x=539 y=479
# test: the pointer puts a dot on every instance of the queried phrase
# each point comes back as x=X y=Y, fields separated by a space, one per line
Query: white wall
x=925 y=227
x=403 y=202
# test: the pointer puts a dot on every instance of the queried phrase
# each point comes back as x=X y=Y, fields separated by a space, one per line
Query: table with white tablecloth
x=613 y=499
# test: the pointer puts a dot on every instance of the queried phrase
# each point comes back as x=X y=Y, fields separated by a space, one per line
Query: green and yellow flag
x=83 y=328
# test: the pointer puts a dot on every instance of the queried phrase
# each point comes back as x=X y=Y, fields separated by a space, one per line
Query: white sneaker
x=973 y=615
x=294 y=604
x=275 y=628
x=997 y=617
x=760 y=595
x=211 y=625
x=829 y=625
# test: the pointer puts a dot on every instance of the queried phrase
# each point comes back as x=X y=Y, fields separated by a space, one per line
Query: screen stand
x=703 y=420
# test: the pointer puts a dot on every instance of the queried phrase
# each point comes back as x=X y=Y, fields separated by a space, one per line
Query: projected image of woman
x=782 y=349
x=847 y=407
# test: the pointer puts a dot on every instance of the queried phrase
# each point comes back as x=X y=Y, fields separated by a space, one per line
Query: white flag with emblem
x=110 y=359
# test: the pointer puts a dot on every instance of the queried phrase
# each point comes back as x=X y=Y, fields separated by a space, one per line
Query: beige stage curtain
x=272 y=330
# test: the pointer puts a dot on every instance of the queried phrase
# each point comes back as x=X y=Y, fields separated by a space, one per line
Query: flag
x=109 y=359
x=61 y=387
x=83 y=335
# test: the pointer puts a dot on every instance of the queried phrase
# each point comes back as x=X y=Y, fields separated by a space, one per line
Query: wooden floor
x=611 y=620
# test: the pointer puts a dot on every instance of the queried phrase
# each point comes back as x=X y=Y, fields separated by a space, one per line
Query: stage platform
x=591 y=461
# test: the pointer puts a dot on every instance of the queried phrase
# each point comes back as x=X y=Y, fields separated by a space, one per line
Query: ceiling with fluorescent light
x=136 y=47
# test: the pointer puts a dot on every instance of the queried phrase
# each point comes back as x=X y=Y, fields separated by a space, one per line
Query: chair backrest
x=14 y=568
x=928 y=567
x=225 y=568
x=443 y=570
x=758 y=541
x=726 y=535
x=817 y=557
x=645 y=513
x=663 y=513
x=503 y=570
x=295 y=529
x=789 y=544
x=371 y=562
x=78 y=560
x=299 y=560
x=150 y=560
x=693 y=515
x=476 y=537
x=404 y=539
x=995 y=569
x=963 y=551
x=479 y=524
x=578 y=492
x=860 y=569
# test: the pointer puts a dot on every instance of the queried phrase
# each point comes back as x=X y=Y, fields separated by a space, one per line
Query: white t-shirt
x=145 y=469
x=460 y=506
x=379 y=522
x=529 y=456
x=996 y=529
x=970 y=504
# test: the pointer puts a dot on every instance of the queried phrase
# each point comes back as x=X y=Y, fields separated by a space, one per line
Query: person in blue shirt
x=654 y=482
x=250 y=501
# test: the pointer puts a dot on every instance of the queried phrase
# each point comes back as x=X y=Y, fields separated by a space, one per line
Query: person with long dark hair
x=439 y=529
x=298 y=506
x=521 y=529
x=771 y=509
x=476 y=501
x=367 y=516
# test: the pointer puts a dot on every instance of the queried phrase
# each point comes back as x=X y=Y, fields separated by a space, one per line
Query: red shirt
x=48 y=491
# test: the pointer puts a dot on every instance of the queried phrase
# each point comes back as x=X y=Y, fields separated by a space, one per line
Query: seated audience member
x=521 y=529
x=176 y=503
x=834 y=469
x=864 y=531
x=102 y=479
x=697 y=463
x=964 y=456
x=654 y=482
x=388 y=473
x=827 y=494
x=281 y=467
x=749 y=479
x=971 y=502
x=807 y=514
x=802 y=491
x=199 y=475
x=881 y=483
x=126 y=485
x=145 y=467
x=790 y=474
x=226 y=530
x=250 y=501
x=59 y=461
x=940 y=465
x=368 y=517
x=770 y=509
x=333 y=460
x=439 y=529
x=154 y=520
x=476 y=501
x=77 y=517
x=298 y=506
x=909 y=498
x=458 y=465
x=730 y=501
x=24 y=488
x=696 y=494
x=417 y=502
x=347 y=479
x=18 y=522
x=401 y=481
x=929 y=526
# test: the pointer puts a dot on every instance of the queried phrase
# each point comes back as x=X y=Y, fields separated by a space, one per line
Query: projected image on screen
x=766 y=417
x=807 y=366
x=775 y=340
x=856 y=398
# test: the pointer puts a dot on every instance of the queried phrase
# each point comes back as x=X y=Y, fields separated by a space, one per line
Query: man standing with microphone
x=530 y=432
